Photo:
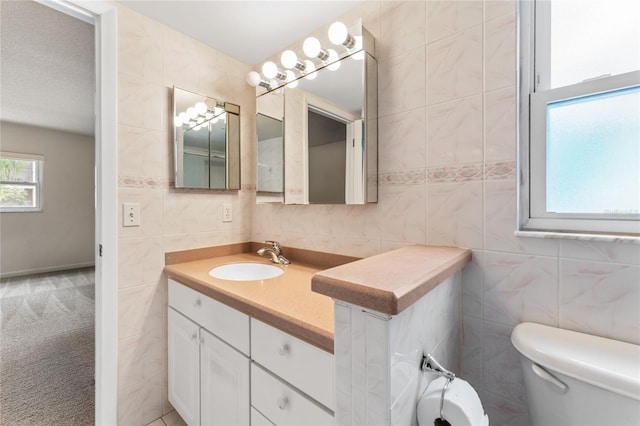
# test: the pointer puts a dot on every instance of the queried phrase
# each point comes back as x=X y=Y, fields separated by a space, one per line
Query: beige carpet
x=47 y=349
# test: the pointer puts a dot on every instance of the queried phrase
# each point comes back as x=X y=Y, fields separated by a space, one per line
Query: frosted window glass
x=593 y=38
x=593 y=154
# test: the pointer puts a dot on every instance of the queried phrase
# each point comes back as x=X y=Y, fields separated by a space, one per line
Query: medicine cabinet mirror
x=206 y=142
x=329 y=130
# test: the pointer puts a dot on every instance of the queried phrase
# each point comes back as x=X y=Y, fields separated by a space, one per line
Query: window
x=579 y=116
x=20 y=182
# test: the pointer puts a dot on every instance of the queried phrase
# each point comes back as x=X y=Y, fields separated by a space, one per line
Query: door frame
x=103 y=15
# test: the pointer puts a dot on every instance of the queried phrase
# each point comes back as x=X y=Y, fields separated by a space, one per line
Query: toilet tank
x=577 y=379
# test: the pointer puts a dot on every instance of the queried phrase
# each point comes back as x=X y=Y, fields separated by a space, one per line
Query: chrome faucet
x=275 y=251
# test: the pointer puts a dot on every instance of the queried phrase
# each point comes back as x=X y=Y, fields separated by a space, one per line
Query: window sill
x=580 y=237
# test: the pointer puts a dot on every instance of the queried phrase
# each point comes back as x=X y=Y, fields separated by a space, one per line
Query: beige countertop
x=285 y=302
x=300 y=302
x=392 y=281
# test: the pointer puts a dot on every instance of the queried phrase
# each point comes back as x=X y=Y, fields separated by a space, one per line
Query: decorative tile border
x=405 y=177
x=501 y=170
x=465 y=173
x=141 y=182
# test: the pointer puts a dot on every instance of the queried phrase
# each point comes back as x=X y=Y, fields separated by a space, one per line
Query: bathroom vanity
x=262 y=352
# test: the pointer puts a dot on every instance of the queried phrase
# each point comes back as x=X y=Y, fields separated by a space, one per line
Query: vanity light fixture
x=289 y=60
x=254 y=79
x=312 y=48
x=270 y=70
x=339 y=35
x=333 y=61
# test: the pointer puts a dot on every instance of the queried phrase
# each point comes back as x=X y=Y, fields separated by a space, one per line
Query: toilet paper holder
x=430 y=364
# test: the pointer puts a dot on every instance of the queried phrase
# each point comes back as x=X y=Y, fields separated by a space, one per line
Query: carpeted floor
x=47 y=349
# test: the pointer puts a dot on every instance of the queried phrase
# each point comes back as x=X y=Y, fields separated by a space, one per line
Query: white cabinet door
x=224 y=390
x=184 y=367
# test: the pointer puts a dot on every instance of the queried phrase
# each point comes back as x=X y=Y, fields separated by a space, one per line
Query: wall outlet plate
x=130 y=214
x=227 y=213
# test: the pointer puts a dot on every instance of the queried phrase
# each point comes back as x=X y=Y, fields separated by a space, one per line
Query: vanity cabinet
x=219 y=375
x=208 y=377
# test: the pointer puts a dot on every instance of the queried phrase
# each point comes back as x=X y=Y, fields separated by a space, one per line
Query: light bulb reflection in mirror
x=289 y=59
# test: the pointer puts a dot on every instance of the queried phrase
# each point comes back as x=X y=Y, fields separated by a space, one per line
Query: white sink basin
x=245 y=271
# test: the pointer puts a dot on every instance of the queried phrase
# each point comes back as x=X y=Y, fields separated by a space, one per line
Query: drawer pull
x=283 y=349
x=197 y=303
x=194 y=336
x=283 y=401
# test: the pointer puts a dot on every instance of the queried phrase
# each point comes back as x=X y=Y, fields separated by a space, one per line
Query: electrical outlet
x=130 y=214
x=227 y=213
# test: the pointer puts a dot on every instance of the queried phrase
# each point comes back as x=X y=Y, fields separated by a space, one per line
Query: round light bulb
x=208 y=116
x=273 y=84
x=191 y=112
x=333 y=60
x=253 y=78
x=201 y=107
x=184 y=117
x=293 y=84
x=177 y=121
x=310 y=70
x=338 y=33
x=200 y=120
x=289 y=59
x=269 y=69
x=311 y=47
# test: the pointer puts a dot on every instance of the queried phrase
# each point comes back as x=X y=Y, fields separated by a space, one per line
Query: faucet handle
x=276 y=246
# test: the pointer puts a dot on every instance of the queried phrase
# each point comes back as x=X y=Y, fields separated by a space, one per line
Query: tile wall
x=447 y=152
x=151 y=59
x=447 y=173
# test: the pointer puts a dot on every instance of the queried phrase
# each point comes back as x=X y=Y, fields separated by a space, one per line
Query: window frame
x=38 y=184
x=533 y=96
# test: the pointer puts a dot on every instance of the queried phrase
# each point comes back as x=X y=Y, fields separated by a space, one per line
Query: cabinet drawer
x=305 y=366
x=282 y=404
x=228 y=324
x=257 y=419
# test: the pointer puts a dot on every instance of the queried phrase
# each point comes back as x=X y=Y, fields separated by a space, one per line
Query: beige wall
x=447 y=152
x=62 y=235
x=151 y=59
x=447 y=167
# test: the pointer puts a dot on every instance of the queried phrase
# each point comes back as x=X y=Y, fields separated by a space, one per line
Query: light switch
x=130 y=214
x=227 y=213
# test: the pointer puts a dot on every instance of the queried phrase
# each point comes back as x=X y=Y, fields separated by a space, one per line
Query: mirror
x=330 y=131
x=206 y=142
x=270 y=139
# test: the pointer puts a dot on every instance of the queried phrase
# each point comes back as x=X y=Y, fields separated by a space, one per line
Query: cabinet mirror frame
x=207 y=143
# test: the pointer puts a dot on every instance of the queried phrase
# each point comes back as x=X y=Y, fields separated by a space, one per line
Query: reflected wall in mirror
x=270 y=138
x=206 y=142
x=330 y=127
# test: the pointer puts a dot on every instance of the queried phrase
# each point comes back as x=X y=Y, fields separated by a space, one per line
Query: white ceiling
x=47 y=74
x=249 y=31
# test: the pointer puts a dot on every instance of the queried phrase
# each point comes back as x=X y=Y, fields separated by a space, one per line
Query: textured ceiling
x=47 y=74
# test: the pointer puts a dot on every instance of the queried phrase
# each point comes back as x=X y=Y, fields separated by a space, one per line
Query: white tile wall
x=443 y=65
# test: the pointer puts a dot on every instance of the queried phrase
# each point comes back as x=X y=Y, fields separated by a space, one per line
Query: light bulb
x=293 y=84
x=208 y=116
x=223 y=116
x=200 y=120
x=273 y=84
x=289 y=59
x=338 y=33
x=177 y=121
x=184 y=117
x=191 y=111
x=269 y=69
x=311 y=47
x=333 y=60
x=253 y=78
x=201 y=107
x=311 y=74
x=215 y=120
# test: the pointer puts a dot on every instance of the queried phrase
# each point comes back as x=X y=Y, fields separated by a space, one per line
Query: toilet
x=577 y=379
